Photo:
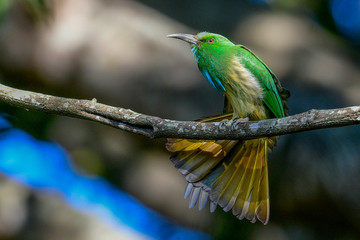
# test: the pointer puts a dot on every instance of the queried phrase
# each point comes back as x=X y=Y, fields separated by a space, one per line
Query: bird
x=232 y=174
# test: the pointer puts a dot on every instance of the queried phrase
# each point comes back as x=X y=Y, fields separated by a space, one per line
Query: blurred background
x=117 y=52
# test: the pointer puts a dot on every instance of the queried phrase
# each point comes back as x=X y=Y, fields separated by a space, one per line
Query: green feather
x=215 y=61
x=266 y=79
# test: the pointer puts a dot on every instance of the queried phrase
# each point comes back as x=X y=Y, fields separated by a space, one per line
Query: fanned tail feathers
x=231 y=173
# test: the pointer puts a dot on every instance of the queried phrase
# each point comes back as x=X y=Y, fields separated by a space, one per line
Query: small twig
x=155 y=127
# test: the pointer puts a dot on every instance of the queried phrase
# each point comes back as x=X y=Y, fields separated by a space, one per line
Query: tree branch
x=155 y=127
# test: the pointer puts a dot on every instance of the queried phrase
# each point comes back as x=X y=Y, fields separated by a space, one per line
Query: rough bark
x=155 y=127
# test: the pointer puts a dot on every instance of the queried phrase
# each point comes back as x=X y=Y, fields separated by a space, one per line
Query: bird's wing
x=267 y=80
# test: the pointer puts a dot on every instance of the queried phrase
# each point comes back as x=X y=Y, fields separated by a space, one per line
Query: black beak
x=185 y=37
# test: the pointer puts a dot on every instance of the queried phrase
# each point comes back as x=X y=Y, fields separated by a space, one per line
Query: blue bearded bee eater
x=231 y=173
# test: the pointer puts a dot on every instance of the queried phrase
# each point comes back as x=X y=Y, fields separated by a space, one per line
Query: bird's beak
x=185 y=37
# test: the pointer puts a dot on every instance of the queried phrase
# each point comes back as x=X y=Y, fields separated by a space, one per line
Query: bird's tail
x=231 y=173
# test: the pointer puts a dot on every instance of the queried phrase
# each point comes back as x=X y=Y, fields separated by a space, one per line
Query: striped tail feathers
x=243 y=186
x=202 y=169
x=258 y=200
x=200 y=158
x=196 y=158
x=231 y=173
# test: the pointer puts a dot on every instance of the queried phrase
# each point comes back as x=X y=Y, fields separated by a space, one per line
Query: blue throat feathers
x=214 y=82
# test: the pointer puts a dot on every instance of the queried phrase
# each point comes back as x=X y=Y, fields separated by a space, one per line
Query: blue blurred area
x=45 y=165
x=346 y=14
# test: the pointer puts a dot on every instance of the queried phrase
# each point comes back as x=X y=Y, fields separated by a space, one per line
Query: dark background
x=117 y=52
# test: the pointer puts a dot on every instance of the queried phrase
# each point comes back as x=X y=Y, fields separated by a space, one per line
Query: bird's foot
x=234 y=122
x=237 y=121
x=224 y=123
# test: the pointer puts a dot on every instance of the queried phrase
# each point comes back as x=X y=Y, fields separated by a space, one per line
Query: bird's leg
x=234 y=122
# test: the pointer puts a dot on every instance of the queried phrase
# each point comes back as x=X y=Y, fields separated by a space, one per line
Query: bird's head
x=204 y=44
x=213 y=54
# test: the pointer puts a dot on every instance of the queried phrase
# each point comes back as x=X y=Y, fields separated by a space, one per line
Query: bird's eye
x=211 y=40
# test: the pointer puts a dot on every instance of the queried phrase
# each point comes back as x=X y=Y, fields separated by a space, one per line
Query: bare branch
x=155 y=127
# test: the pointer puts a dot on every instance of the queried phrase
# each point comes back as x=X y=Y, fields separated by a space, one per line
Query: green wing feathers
x=231 y=173
x=275 y=96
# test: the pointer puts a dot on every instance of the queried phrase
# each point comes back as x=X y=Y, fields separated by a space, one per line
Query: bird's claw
x=236 y=121
x=224 y=123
